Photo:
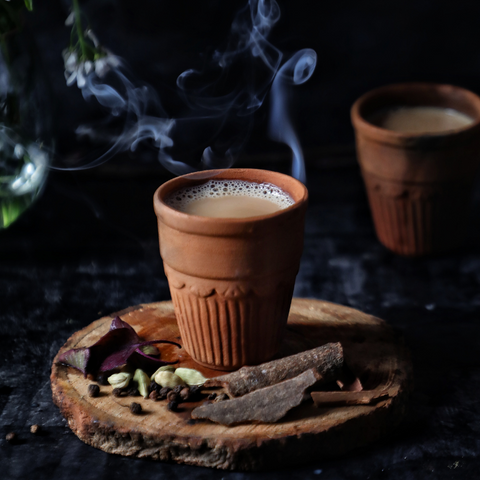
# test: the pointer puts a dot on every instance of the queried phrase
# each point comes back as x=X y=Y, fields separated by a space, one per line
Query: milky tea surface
x=230 y=199
x=421 y=119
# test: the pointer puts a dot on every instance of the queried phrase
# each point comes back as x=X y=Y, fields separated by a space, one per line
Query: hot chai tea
x=230 y=199
x=421 y=119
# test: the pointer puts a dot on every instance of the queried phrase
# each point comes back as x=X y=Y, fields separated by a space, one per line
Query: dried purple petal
x=117 y=323
x=77 y=358
x=111 y=351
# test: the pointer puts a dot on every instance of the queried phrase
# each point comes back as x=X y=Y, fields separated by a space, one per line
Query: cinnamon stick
x=327 y=360
x=365 y=397
x=266 y=405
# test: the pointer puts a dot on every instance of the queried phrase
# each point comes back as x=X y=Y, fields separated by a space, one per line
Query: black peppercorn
x=102 y=379
x=172 y=406
x=133 y=392
x=118 y=392
x=173 y=396
x=93 y=390
x=195 y=392
x=153 y=386
x=162 y=394
x=178 y=388
x=195 y=389
x=135 y=408
x=153 y=395
x=184 y=394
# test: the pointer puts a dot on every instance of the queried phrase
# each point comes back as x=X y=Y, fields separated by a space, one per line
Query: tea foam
x=218 y=189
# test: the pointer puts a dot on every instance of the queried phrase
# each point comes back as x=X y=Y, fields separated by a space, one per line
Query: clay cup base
x=225 y=332
x=418 y=219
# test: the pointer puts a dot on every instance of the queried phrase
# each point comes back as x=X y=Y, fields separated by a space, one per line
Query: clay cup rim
x=229 y=226
x=415 y=94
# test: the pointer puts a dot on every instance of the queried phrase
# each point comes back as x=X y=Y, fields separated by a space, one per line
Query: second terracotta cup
x=231 y=280
x=419 y=185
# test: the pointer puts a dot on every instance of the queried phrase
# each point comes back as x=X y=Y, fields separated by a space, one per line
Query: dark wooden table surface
x=89 y=247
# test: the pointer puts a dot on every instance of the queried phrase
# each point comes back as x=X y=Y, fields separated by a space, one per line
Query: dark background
x=360 y=46
x=89 y=246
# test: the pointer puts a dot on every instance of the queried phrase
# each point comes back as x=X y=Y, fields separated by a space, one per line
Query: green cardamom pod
x=168 y=379
x=143 y=382
x=119 y=380
x=165 y=368
x=150 y=350
x=190 y=376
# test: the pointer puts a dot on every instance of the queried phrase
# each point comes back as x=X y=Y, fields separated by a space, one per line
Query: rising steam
x=295 y=71
x=220 y=113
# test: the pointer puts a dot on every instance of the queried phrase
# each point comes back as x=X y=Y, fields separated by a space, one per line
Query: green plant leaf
x=29 y=4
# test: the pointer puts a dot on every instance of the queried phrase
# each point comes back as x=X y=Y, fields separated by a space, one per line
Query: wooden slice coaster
x=374 y=352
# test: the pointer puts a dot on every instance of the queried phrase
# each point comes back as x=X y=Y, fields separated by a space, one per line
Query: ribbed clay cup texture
x=231 y=279
x=418 y=185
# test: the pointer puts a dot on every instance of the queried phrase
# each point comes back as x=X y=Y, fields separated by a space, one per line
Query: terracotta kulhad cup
x=419 y=185
x=231 y=279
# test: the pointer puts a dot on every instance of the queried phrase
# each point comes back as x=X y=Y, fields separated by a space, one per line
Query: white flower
x=89 y=33
x=88 y=66
x=81 y=80
x=77 y=70
x=101 y=66
x=70 y=60
x=104 y=64
x=76 y=74
x=70 y=19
